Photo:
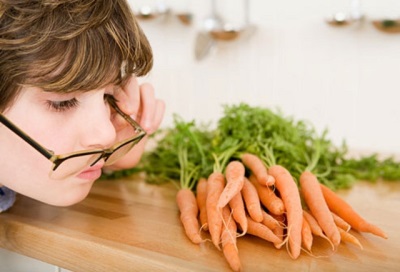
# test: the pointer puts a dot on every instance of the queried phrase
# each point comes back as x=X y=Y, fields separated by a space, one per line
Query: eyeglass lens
x=76 y=164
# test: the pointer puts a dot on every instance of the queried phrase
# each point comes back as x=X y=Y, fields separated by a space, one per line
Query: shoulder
x=7 y=198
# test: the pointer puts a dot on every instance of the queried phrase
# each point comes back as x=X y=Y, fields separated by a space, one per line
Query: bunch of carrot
x=262 y=174
x=249 y=197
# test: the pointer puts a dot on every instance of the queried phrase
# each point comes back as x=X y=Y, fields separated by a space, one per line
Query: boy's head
x=68 y=45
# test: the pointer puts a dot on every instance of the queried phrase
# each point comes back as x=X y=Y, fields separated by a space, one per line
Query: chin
x=70 y=198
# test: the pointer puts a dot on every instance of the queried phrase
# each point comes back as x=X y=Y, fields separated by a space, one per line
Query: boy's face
x=63 y=123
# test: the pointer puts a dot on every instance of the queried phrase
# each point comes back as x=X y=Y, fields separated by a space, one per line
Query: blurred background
x=344 y=77
x=335 y=63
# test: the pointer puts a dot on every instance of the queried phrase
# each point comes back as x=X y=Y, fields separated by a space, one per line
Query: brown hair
x=68 y=45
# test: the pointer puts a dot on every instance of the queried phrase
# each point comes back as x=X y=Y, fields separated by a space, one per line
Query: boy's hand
x=140 y=103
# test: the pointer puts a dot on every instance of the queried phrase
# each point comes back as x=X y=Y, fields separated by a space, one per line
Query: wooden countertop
x=128 y=225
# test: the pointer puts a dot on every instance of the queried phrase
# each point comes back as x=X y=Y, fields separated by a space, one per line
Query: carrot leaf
x=187 y=150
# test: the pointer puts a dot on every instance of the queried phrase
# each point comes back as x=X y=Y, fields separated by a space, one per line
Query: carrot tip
x=204 y=227
x=384 y=236
x=270 y=181
x=197 y=240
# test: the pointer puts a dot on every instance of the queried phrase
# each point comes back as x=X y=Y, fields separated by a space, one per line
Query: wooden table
x=128 y=225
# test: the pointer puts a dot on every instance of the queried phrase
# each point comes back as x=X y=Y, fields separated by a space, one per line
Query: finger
x=147 y=110
x=129 y=98
x=158 y=116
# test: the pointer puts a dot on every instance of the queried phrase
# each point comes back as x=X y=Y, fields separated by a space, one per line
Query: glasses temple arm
x=125 y=116
x=45 y=152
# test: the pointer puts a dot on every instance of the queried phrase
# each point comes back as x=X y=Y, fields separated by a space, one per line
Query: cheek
x=31 y=178
x=19 y=156
x=54 y=137
x=26 y=171
x=22 y=166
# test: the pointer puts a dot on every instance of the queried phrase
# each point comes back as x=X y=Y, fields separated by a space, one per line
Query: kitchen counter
x=129 y=225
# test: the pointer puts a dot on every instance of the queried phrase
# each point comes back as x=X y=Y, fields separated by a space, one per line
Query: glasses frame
x=58 y=159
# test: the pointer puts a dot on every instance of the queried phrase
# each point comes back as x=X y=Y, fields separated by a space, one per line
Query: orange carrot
x=347 y=237
x=234 y=174
x=270 y=221
x=279 y=231
x=215 y=186
x=262 y=231
x=188 y=208
x=306 y=235
x=340 y=207
x=268 y=197
x=290 y=195
x=238 y=211
x=228 y=240
x=252 y=201
x=257 y=167
x=201 y=196
x=315 y=228
x=340 y=222
x=315 y=201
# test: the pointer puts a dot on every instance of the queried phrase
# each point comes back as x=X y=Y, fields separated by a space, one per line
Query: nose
x=98 y=130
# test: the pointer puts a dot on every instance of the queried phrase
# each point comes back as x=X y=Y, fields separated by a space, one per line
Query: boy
x=69 y=97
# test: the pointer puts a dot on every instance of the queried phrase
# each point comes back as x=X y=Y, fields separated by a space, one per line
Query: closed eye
x=62 y=106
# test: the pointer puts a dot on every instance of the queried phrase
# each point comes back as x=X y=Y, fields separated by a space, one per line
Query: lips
x=92 y=173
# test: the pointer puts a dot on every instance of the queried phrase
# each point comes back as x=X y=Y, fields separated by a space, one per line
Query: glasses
x=67 y=165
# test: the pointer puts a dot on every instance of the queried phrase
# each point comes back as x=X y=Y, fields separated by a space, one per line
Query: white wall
x=344 y=79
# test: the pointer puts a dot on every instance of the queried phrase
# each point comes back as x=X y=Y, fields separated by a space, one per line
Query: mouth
x=92 y=172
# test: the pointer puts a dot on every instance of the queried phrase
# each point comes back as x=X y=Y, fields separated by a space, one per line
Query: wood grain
x=128 y=225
